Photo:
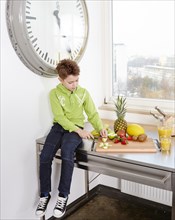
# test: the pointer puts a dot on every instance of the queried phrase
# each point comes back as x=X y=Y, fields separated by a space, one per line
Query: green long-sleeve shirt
x=68 y=108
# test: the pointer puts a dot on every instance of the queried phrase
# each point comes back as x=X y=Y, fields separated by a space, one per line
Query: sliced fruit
x=111 y=136
x=105 y=145
x=104 y=139
x=101 y=144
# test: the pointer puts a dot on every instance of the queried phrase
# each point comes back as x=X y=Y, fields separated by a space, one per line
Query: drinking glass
x=165 y=132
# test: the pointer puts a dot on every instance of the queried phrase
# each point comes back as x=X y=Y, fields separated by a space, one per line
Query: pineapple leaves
x=120 y=106
x=120 y=109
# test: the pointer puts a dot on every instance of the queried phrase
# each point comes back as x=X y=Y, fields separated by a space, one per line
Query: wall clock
x=43 y=32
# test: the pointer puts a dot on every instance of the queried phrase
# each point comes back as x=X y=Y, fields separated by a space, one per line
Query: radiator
x=147 y=192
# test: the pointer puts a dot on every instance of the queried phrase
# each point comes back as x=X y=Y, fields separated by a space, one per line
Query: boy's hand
x=84 y=134
x=103 y=133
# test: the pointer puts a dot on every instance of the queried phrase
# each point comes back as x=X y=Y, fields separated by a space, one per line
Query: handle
x=147 y=176
x=154 y=115
x=160 y=111
x=144 y=176
x=126 y=173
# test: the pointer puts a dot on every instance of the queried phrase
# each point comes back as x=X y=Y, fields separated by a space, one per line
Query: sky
x=145 y=27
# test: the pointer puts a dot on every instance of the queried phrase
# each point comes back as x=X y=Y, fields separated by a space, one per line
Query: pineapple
x=120 y=123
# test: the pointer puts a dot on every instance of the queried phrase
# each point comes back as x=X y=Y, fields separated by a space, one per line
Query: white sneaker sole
x=58 y=216
x=40 y=215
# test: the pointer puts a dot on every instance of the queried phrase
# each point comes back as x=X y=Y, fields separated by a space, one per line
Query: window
x=143 y=59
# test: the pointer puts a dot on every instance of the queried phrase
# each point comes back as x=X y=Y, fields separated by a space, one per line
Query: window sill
x=144 y=110
x=110 y=107
x=134 y=114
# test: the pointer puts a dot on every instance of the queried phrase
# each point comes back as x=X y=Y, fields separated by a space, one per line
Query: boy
x=68 y=102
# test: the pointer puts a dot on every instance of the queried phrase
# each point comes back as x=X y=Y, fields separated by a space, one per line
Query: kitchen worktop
x=154 y=169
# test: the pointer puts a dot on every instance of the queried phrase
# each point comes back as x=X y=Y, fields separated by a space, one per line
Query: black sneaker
x=60 y=207
x=42 y=206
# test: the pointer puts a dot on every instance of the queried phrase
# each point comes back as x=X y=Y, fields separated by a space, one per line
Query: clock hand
x=57 y=17
x=67 y=44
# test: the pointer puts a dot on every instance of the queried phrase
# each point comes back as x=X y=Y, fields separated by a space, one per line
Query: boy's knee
x=45 y=158
x=67 y=154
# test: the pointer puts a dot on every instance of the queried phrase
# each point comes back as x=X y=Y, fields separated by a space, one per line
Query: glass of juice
x=165 y=132
x=165 y=143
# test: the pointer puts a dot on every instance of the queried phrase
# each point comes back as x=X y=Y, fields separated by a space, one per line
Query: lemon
x=135 y=130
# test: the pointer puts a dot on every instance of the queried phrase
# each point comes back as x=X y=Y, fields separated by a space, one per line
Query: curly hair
x=67 y=67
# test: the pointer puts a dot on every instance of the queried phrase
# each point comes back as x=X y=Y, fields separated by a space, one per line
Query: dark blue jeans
x=57 y=138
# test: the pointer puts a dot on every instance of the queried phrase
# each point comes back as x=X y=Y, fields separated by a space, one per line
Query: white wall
x=26 y=116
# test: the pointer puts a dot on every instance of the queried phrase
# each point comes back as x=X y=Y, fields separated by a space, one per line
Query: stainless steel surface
x=154 y=169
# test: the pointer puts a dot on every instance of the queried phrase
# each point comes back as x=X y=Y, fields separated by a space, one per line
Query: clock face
x=45 y=32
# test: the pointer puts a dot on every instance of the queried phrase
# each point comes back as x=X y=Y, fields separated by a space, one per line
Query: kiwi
x=142 y=137
x=134 y=138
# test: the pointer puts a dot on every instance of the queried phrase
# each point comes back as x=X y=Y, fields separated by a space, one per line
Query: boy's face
x=71 y=82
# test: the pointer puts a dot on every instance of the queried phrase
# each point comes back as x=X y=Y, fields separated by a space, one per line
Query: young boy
x=68 y=101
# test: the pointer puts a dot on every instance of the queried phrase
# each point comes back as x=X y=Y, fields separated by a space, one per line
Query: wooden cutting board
x=132 y=147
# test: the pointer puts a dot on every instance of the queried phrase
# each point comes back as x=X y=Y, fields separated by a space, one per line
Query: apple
x=104 y=139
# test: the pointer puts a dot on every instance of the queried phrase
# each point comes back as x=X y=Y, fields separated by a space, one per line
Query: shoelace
x=60 y=203
x=42 y=203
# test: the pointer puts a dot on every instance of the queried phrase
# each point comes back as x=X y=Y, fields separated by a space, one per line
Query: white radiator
x=147 y=192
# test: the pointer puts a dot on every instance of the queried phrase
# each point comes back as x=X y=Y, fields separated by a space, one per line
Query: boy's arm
x=93 y=116
x=84 y=134
x=59 y=114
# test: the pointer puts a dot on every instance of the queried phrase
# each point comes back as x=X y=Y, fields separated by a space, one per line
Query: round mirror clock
x=44 y=32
